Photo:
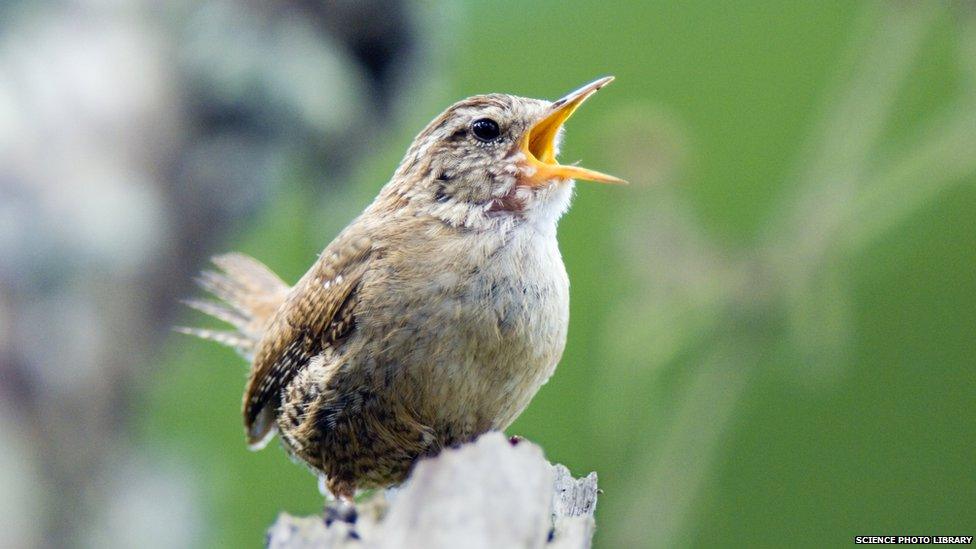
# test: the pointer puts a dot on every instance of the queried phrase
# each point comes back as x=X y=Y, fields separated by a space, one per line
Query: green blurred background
x=773 y=328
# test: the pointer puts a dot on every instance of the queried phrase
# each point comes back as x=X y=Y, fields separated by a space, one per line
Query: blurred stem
x=852 y=123
x=852 y=127
x=945 y=153
x=682 y=460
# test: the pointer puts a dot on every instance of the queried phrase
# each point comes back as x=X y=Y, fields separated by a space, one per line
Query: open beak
x=538 y=143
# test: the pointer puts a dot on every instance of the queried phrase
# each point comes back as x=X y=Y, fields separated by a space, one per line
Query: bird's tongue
x=539 y=143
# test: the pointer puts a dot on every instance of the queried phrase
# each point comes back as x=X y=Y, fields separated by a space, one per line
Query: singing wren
x=432 y=318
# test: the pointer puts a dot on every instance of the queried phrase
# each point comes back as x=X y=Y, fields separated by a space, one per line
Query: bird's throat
x=510 y=203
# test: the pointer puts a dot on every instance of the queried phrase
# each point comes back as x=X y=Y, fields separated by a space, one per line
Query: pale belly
x=476 y=344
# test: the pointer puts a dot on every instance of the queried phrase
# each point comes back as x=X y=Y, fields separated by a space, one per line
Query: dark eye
x=485 y=129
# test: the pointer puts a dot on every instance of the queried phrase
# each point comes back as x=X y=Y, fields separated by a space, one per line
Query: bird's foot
x=340 y=510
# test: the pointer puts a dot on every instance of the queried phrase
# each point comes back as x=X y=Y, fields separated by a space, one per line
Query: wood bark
x=490 y=493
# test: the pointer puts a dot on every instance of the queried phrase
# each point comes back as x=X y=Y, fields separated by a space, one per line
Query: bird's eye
x=485 y=129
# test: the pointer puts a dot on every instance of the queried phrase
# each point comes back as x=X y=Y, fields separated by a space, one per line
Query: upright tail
x=247 y=293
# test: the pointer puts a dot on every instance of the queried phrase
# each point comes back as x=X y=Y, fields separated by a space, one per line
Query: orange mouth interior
x=539 y=142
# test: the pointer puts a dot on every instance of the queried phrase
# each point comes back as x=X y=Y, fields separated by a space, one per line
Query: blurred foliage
x=772 y=327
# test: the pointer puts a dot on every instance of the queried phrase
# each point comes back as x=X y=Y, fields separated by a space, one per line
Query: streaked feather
x=218 y=311
x=250 y=273
x=248 y=294
x=243 y=345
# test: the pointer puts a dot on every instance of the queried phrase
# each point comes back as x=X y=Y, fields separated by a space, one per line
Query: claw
x=341 y=511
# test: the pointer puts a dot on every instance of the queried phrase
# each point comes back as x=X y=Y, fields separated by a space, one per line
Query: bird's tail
x=247 y=294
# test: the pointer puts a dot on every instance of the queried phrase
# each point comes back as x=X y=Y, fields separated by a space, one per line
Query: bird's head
x=492 y=158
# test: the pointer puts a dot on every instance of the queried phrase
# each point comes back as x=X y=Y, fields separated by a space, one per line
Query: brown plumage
x=433 y=317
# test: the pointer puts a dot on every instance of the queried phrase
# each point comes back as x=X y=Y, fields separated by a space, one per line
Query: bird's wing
x=317 y=313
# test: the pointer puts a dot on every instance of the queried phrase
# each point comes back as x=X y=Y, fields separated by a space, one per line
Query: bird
x=433 y=317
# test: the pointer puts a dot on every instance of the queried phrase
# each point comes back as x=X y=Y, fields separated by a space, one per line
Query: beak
x=539 y=147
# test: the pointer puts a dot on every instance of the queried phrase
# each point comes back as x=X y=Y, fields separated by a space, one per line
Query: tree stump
x=490 y=493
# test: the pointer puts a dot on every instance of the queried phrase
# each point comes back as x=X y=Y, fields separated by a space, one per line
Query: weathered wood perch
x=489 y=493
